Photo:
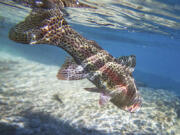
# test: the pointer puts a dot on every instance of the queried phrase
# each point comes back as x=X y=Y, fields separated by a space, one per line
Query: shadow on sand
x=39 y=123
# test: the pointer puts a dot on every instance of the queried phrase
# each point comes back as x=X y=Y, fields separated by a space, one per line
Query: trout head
x=126 y=96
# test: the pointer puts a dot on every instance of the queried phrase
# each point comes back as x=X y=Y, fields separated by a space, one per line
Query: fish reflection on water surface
x=111 y=76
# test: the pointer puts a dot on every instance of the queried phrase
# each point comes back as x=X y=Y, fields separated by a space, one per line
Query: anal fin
x=94 y=89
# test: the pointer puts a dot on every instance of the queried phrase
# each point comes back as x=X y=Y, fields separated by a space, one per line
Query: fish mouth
x=135 y=106
x=128 y=101
x=135 y=100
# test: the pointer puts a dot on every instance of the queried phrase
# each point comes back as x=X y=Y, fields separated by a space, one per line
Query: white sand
x=33 y=101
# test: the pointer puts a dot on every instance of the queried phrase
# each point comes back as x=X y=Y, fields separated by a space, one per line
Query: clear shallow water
x=148 y=29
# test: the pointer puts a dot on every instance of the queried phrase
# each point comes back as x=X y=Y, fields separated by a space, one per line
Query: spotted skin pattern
x=48 y=26
x=71 y=71
x=47 y=4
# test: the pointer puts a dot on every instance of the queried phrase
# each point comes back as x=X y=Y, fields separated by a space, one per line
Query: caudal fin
x=40 y=27
x=48 y=4
x=45 y=24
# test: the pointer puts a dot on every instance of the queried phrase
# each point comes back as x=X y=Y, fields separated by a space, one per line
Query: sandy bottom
x=34 y=102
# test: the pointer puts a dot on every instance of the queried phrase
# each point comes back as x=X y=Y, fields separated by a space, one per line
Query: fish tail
x=48 y=26
x=48 y=4
x=45 y=20
x=40 y=27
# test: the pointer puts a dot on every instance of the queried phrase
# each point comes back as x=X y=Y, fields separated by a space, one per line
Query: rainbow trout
x=111 y=76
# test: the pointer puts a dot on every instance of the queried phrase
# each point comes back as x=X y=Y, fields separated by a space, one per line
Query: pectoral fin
x=104 y=99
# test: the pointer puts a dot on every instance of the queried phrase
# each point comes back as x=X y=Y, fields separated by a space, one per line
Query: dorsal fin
x=128 y=61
